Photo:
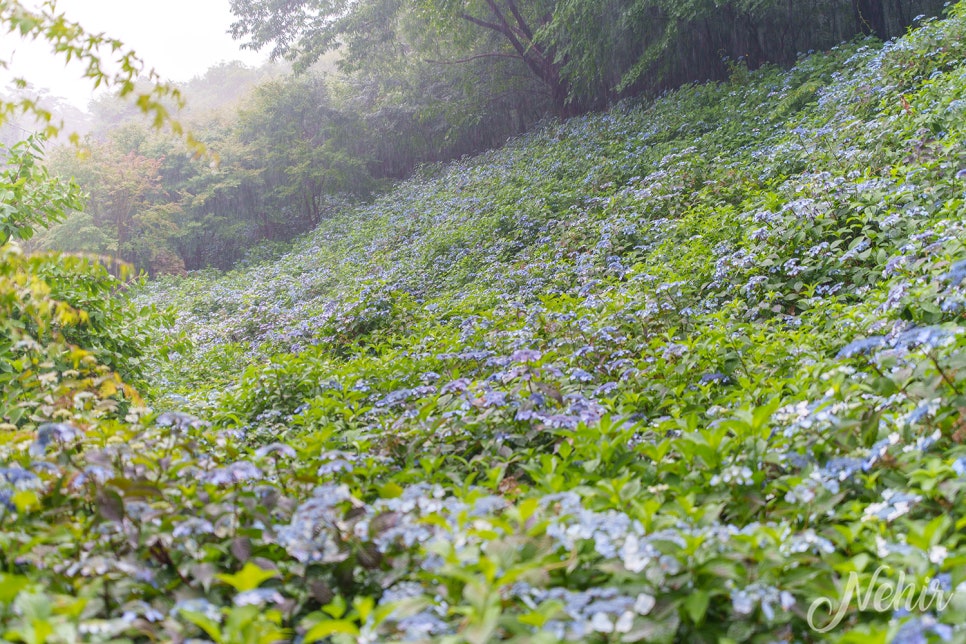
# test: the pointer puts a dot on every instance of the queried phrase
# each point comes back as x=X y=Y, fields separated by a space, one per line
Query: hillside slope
x=670 y=370
x=675 y=372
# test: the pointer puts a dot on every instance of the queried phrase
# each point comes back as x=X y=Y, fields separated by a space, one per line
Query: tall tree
x=302 y=143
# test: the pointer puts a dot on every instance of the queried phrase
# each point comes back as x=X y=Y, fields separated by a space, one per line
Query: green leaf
x=211 y=628
x=697 y=605
x=327 y=628
x=249 y=577
x=25 y=500
x=336 y=608
x=11 y=586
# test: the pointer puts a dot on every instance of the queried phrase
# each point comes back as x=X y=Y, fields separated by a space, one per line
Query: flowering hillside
x=691 y=370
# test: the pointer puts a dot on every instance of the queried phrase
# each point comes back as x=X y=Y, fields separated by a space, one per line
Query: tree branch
x=524 y=27
x=503 y=27
x=476 y=57
x=509 y=30
x=544 y=57
x=483 y=23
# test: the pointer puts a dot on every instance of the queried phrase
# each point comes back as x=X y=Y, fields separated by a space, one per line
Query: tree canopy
x=559 y=43
x=583 y=54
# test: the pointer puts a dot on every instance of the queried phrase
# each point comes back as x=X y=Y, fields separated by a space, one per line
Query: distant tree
x=77 y=234
x=303 y=145
x=129 y=184
x=215 y=94
x=126 y=203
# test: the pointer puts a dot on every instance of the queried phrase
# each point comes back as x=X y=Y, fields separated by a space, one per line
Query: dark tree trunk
x=870 y=18
x=560 y=95
x=756 y=57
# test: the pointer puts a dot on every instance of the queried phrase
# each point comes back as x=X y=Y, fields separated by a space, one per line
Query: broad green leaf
x=249 y=577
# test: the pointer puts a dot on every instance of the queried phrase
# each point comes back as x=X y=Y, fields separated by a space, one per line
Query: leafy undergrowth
x=676 y=372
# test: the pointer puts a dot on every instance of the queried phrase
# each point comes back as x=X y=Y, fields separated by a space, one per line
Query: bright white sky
x=178 y=38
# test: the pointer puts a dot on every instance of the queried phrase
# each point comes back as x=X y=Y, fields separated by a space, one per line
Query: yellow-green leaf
x=248 y=578
x=330 y=627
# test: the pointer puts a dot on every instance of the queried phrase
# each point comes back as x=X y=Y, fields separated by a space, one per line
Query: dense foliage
x=671 y=372
x=68 y=348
